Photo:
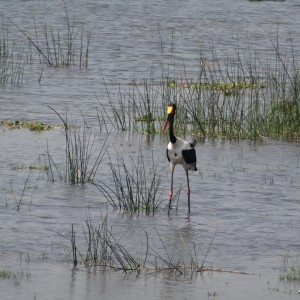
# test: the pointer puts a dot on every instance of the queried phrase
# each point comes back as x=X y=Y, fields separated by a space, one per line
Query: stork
x=180 y=152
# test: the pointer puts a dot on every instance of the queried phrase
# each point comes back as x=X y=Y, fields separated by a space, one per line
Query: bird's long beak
x=165 y=126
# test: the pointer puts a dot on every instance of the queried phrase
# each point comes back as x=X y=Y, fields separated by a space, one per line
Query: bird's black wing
x=167 y=152
x=189 y=156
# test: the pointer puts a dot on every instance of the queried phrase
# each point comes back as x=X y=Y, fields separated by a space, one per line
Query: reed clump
x=237 y=98
x=11 y=59
x=104 y=248
x=291 y=268
x=31 y=125
x=67 y=47
x=84 y=153
x=135 y=184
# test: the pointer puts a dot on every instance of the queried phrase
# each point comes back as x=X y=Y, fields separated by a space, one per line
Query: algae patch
x=31 y=125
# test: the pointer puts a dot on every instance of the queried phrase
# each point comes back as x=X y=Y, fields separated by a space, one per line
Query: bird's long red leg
x=189 y=191
x=171 y=192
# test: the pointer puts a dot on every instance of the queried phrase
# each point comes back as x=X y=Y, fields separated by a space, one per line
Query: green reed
x=240 y=97
x=84 y=153
x=135 y=184
x=104 y=248
x=137 y=109
x=67 y=47
x=11 y=59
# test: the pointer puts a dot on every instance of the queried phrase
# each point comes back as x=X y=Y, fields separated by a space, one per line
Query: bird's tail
x=193 y=167
x=193 y=142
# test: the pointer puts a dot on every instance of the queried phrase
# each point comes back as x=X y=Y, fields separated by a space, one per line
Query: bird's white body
x=175 y=154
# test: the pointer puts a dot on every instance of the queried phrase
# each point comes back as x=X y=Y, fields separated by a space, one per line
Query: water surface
x=247 y=191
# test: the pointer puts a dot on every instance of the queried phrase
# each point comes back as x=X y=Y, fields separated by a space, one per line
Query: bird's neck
x=173 y=138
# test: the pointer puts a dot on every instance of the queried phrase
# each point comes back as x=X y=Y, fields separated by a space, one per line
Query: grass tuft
x=291 y=268
x=104 y=248
x=238 y=98
x=11 y=59
x=135 y=184
x=61 y=48
x=84 y=153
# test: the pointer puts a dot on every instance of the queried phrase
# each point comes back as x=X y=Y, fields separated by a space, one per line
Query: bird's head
x=170 y=115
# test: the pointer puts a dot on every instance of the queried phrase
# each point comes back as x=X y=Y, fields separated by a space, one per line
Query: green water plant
x=84 y=153
x=11 y=58
x=31 y=125
x=138 y=108
x=241 y=97
x=6 y=274
x=135 y=184
x=19 y=201
x=102 y=246
x=67 y=47
x=228 y=88
x=291 y=268
x=31 y=167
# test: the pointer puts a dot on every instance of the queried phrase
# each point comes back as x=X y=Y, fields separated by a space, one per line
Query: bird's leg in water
x=171 y=192
x=189 y=191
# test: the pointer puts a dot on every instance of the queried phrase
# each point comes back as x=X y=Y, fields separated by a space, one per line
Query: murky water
x=248 y=192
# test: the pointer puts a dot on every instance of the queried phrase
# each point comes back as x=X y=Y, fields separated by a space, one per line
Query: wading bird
x=180 y=152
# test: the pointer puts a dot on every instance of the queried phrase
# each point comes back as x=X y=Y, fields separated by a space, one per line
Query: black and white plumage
x=180 y=152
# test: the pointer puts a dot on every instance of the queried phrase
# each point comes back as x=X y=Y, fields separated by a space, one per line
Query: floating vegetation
x=31 y=125
x=6 y=274
x=31 y=167
x=228 y=88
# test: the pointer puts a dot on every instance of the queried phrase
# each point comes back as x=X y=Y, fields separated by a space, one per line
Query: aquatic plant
x=19 y=201
x=104 y=248
x=291 y=268
x=230 y=98
x=136 y=184
x=31 y=125
x=138 y=109
x=5 y=274
x=11 y=59
x=69 y=48
x=31 y=167
x=84 y=152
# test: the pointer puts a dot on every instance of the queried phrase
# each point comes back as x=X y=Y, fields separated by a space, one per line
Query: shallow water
x=246 y=191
